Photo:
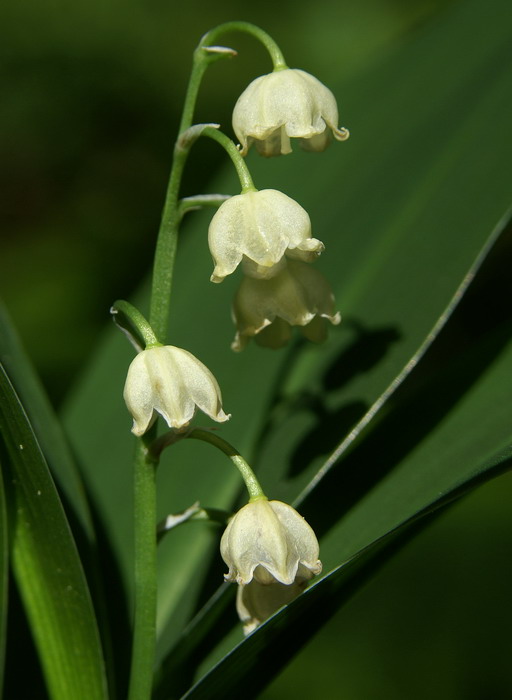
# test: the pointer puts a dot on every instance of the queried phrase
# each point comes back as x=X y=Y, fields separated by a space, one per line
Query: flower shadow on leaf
x=365 y=351
x=369 y=347
x=323 y=438
x=461 y=353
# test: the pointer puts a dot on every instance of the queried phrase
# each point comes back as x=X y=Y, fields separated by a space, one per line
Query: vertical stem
x=144 y=636
x=141 y=675
x=167 y=241
x=144 y=633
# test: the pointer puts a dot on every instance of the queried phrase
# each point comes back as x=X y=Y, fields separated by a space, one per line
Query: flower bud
x=259 y=227
x=283 y=104
x=299 y=295
x=172 y=382
x=268 y=541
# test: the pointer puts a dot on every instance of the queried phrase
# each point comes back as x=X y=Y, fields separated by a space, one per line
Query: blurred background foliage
x=91 y=98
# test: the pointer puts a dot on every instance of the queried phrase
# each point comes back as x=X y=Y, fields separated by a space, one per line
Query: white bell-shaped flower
x=259 y=227
x=256 y=602
x=299 y=295
x=268 y=541
x=287 y=103
x=172 y=382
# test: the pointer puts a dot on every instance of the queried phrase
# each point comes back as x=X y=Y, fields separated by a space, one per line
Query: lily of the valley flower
x=268 y=542
x=283 y=104
x=259 y=227
x=172 y=382
x=299 y=295
x=256 y=602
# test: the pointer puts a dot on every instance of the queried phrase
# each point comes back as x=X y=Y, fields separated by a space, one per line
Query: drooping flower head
x=259 y=228
x=287 y=103
x=266 y=309
x=172 y=382
x=268 y=541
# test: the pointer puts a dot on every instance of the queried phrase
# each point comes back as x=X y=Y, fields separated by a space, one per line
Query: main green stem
x=144 y=636
x=168 y=234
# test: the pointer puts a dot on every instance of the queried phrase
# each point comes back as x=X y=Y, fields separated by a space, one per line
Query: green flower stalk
x=167 y=380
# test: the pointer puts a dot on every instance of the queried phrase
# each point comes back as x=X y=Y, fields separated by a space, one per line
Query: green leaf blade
x=46 y=565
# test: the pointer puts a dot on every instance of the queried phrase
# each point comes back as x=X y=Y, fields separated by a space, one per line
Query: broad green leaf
x=256 y=660
x=46 y=564
x=404 y=207
x=46 y=425
x=379 y=449
x=4 y=571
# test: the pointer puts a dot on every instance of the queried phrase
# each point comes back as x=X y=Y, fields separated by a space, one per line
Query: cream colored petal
x=271 y=220
x=260 y=227
x=296 y=295
x=266 y=541
x=170 y=396
x=255 y=602
x=138 y=395
x=254 y=545
x=289 y=102
x=199 y=385
x=172 y=382
x=224 y=235
x=307 y=250
x=325 y=102
x=301 y=539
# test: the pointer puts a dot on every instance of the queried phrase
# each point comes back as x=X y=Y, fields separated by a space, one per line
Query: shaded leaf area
x=253 y=663
x=458 y=355
x=4 y=574
x=404 y=208
x=46 y=564
x=45 y=423
x=88 y=532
